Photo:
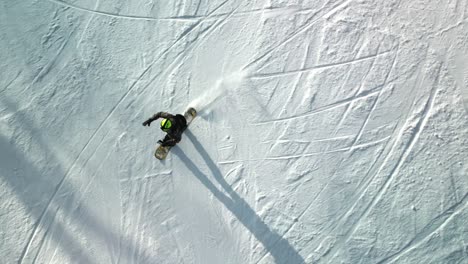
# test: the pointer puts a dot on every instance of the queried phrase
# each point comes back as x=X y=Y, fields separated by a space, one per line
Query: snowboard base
x=161 y=152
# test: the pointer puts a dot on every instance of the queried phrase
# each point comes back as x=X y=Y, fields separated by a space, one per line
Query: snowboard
x=161 y=152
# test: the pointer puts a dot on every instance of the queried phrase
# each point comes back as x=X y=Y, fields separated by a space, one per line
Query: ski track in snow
x=328 y=132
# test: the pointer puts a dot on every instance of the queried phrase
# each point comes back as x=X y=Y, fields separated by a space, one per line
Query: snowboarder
x=173 y=125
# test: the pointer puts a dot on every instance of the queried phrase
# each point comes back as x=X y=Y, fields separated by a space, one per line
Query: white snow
x=328 y=132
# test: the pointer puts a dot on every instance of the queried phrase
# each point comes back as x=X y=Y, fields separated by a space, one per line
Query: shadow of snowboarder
x=279 y=248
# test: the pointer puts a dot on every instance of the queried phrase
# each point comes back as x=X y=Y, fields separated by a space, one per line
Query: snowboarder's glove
x=147 y=122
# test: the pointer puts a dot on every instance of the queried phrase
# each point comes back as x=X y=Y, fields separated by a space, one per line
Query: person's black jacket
x=174 y=134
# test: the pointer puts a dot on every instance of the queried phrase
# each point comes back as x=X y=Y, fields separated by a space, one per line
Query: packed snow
x=329 y=131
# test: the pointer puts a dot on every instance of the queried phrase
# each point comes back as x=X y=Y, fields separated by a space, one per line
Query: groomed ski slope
x=328 y=131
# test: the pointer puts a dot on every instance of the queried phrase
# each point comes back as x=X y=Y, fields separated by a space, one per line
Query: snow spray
x=221 y=87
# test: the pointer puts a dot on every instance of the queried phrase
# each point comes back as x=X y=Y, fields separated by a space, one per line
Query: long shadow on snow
x=281 y=250
x=34 y=179
x=10 y=160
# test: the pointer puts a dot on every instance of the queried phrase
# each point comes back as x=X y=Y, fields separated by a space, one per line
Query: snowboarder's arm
x=156 y=116
x=162 y=114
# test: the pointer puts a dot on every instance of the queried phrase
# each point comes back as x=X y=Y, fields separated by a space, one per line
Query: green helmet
x=166 y=124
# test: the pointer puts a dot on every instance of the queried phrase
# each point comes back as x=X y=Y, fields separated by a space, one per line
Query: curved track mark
x=11 y=82
x=186 y=18
x=317 y=67
x=364 y=145
x=153 y=175
x=325 y=108
x=307 y=25
x=131 y=17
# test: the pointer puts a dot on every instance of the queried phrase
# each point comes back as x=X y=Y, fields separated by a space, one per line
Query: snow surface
x=329 y=132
